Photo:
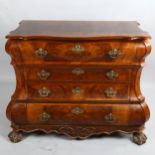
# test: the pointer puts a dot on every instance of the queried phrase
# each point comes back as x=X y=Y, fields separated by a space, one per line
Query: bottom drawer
x=85 y=114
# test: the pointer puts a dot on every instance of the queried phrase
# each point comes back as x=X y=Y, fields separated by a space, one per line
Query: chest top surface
x=79 y=30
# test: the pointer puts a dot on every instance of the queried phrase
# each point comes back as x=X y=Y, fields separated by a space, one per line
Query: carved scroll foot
x=15 y=137
x=139 y=138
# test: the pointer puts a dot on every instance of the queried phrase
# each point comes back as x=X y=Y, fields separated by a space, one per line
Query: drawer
x=77 y=73
x=84 y=114
x=61 y=91
x=83 y=51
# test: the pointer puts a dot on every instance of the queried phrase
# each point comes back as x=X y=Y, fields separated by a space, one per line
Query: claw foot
x=139 y=138
x=15 y=137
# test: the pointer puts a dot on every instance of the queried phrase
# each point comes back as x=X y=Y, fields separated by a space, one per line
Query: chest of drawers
x=78 y=78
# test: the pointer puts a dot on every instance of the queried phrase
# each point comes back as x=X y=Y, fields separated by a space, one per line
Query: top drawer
x=83 y=51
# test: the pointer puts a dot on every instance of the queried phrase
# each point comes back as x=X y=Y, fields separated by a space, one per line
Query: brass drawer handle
x=41 y=53
x=114 y=53
x=44 y=92
x=112 y=74
x=110 y=92
x=77 y=110
x=43 y=75
x=77 y=90
x=78 y=71
x=109 y=118
x=78 y=49
x=44 y=117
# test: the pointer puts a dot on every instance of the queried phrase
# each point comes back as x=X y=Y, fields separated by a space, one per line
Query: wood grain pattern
x=89 y=91
x=58 y=52
x=66 y=88
x=94 y=114
x=68 y=73
x=85 y=30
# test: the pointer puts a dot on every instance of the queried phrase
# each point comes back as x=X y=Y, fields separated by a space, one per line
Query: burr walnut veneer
x=78 y=78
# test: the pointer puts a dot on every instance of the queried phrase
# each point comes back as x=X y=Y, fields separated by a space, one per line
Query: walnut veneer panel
x=79 y=73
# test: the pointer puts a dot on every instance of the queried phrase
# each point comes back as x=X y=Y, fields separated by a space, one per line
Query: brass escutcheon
x=43 y=74
x=44 y=117
x=41 y=53
x=110 y=92
x=114 y=53
x=112 y=74
x=77 y=110
x=78 y=71
x=109 y=118
x=77 y=90
x=77 y=49
x=44 y=92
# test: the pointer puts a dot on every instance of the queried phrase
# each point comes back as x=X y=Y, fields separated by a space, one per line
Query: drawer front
x=77 y=73
x=84 y=114
x=84 y=51
x=77 y=91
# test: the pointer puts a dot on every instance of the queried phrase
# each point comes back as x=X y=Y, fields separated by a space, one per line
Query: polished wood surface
x=78 y=78
x=92 y=51
x=78 y=30
x=85 y=91
x=80 y=73
x=60 y=53
x=94 y=114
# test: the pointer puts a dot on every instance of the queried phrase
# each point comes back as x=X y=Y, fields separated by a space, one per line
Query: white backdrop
x=13 y=11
